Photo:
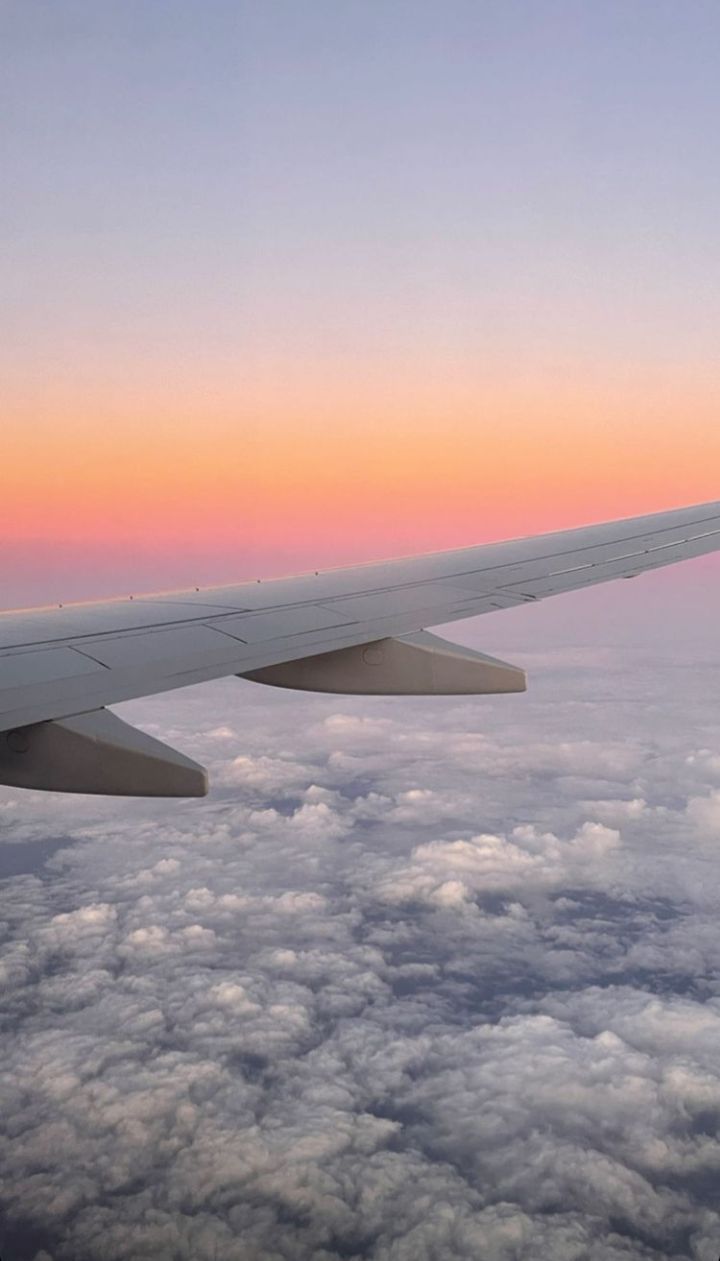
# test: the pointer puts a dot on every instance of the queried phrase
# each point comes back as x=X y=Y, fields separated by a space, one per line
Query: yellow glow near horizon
x=366 y=462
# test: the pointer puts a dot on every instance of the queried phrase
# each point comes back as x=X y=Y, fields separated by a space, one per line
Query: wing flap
x=175 y=648
x=20 y=669
x=297 y=619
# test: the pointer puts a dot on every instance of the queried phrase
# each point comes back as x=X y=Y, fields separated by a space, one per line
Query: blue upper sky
x=331 y=173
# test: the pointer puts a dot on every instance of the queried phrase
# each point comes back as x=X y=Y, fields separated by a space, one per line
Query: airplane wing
x=361 y=630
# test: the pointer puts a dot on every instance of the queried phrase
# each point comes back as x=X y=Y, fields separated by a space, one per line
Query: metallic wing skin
x=60 y=662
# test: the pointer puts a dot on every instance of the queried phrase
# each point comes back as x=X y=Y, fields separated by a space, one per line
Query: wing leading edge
x=349 y=630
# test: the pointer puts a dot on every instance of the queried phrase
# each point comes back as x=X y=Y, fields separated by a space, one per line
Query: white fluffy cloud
x=419 y=980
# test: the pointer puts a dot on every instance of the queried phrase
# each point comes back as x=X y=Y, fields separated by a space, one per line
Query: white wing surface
x=360 y=629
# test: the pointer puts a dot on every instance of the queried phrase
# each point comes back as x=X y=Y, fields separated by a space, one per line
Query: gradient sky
x=293 y=284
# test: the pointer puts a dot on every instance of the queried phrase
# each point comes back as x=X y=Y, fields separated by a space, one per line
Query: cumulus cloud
x=452 y=872
x=419 y=981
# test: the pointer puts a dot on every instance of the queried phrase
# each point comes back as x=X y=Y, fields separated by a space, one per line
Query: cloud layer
x=419 y=981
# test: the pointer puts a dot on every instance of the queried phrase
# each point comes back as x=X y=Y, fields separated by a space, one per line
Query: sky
x=287 y=285
x=291 y=285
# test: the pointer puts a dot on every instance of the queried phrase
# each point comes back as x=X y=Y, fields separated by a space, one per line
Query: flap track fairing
x=412 y=665
x=96 y=753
